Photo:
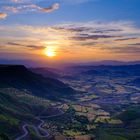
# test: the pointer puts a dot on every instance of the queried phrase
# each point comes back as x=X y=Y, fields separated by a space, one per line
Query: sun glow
x=50 y=52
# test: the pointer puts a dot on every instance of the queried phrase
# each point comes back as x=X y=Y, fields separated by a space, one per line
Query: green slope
x=17 y=107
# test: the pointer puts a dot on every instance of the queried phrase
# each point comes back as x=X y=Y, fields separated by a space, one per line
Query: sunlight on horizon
x=50 y=52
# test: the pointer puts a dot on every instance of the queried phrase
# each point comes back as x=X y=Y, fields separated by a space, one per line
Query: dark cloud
x=14 y=44
x=127 y=49
x=89 y=44
x=83 y=37
x=73 y=29
x=138 y=44
x=28 y=46
x=84 y=29
x=35 y=46
x=106 y=30
x=123 y=39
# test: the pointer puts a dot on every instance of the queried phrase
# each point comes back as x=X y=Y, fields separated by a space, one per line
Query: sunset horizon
x=41 y=30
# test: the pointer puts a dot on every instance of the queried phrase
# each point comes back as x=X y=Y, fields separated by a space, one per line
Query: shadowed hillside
x=20 y=77
x=24 y=95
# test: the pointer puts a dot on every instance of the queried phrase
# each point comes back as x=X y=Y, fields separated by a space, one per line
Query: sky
x=58 y=31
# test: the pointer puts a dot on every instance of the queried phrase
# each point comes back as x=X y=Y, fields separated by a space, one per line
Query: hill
x=135 y=82
x=19 y=77
x=46 y=72
x=104 y=70
x=24 y=95
x=17 y=107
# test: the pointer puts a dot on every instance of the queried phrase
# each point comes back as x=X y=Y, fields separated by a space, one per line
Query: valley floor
x=106 y=107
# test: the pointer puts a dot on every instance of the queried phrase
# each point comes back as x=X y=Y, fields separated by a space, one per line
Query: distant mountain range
x=113 y=62
x=106 y=70
x=101 y=70
x=32 y=63
x=136 y=82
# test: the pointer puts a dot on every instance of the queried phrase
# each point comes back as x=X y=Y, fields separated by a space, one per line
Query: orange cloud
x=3 y=15
x=52 y=8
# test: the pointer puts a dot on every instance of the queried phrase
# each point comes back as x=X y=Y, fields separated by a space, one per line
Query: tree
x=3 y=137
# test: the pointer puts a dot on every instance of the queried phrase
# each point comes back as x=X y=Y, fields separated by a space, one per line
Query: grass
x=105 y=136
x=71 y=133
x=12 y=121
x=17 y=106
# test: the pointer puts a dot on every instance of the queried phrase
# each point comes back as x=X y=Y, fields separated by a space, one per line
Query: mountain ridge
x=18 y=76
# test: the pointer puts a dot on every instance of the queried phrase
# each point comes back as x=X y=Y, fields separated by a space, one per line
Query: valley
x=103 y=105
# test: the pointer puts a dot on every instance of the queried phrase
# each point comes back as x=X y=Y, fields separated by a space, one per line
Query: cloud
x=95 y=27
x=125 y=39
x=137 y=44
x=83 y=37
x=37 y=2
x=11 y=9
x=88 y=37
x=16 y=1
x=14 y=44
x=3 y=15
x=31 y=7
x=75 y=1
x=16 y=6
x=105 y=33
x=52 y=8
x=37 y=47
x=125 y=50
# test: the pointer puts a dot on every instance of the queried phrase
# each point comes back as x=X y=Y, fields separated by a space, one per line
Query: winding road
x=39 y=127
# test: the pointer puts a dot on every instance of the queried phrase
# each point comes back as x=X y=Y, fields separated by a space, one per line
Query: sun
x=50 y=52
